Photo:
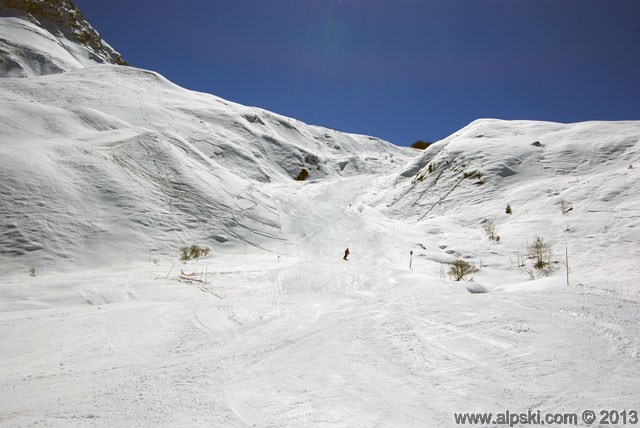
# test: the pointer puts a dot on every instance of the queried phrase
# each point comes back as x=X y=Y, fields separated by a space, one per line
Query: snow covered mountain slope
x=119 y=157
x=105 y=171
x=572 y=185
x=39 y=37
x=301 y=338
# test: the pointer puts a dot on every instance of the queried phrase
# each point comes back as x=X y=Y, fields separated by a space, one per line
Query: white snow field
x=106 y=171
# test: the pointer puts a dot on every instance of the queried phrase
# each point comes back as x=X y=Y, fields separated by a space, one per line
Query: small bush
x=461 y=268
x=508 y=210
x=491 y=230
x=193 y=252
x=540 y=252
x=421 y=144
x=302 y=175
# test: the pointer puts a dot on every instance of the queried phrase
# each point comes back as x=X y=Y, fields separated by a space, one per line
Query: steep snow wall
x=111 y=157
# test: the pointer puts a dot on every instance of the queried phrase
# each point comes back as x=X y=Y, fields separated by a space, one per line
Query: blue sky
x=401 y=70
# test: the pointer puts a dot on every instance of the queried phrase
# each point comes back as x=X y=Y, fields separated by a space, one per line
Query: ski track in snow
x=310 y=340
x=106 y=171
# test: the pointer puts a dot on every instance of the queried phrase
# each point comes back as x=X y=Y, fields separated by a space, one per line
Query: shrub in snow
x=421 y=144
x=193 y=252
x=540 y=252
x=490 y=229
x=461 y=268
x=302 y=175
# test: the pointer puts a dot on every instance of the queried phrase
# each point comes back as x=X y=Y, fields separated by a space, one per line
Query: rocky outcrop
x=63 y=19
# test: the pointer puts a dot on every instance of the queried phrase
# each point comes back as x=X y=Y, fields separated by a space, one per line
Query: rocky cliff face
x=46 y=37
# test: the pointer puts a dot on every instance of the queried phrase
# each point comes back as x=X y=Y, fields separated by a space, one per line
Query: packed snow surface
x=107 y=171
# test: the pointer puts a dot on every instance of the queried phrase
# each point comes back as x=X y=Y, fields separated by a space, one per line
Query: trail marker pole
x=566 y=255
x=169 y=273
